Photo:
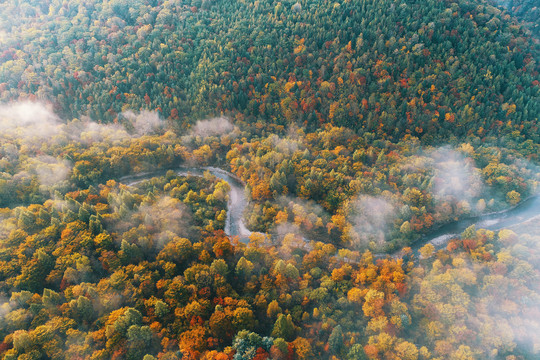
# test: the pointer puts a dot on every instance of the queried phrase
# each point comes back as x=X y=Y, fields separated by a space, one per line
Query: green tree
x=335 y=341
x=284 y=327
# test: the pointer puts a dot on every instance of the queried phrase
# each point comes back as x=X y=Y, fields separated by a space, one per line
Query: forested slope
x=527 y=11
x=434 y=69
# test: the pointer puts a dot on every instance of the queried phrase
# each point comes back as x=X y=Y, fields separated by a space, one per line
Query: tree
x=273 y=309
x=140 y=340
x=426 y=251
x=247 y=344
x=244 y=268
x=513 y=197
x=374 y=301
x=302 y=348
x=220 y=325
x=335 y=341
x=33 y=275
x=407 y=351
x=284 y=327
x=193 y=342
x=356 y=352
x=243 y=318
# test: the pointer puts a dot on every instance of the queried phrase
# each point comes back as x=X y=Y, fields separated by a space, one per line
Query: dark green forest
x=434 y=69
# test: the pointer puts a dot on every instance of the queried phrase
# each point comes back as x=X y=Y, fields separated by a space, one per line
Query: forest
x=357 y=130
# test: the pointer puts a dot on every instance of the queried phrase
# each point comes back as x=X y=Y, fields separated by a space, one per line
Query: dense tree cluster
x=357 y=191
x=525 y=10
x=99 y=269
x=325 y=185
x=30 y=174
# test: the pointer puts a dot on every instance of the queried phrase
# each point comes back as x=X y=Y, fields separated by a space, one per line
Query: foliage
x=357 y=128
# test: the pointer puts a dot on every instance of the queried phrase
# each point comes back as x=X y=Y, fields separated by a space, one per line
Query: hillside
x=527 y=11
x=434 y=69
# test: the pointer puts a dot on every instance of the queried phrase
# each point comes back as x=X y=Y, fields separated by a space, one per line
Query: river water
x=525 y=211
x=234 y=223
x=235 y=226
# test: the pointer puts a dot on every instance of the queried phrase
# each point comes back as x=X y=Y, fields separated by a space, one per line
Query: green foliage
x=448 y=69
x=335 y=341
x=284 y=327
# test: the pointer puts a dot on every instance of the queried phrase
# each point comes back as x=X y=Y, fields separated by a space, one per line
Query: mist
x=288 y=236
x=371 y=217
x=161 y=219
x=34 y=123
x=28 y=121
x=167 y=217
x=287 y=146
x=454 y=175
x=143 y=123
x=212 y=127
x=495 y=298
x=3 y=36
x=50 y=170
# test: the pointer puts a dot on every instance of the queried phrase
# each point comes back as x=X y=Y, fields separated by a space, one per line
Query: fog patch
x=498 y=306
x=212 y=127
x=496 y=298
x=305 y=218
x=455 y=175
x=529 y=170
x=162 y=219
x=4 y=37
x=51 y=171
x=34 y=123
x=167 y=215
x=28 y=120
x=7 y=224
x=143 y=123
x=86 y=131
x=5 y=308
x=285 y=146
x=133 y=125
x=370 y=217
x=289 y=237
x=301 y=207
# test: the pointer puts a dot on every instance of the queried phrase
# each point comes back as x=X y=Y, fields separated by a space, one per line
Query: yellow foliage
x=355 y=295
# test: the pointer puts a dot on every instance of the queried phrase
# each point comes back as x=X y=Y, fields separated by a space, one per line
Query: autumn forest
x=250 y=180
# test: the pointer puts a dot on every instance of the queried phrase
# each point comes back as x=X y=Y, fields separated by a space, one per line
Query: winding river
x=234 y=224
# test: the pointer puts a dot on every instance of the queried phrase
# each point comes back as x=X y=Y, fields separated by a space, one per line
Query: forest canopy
x=357 y=134
x=432 y=69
